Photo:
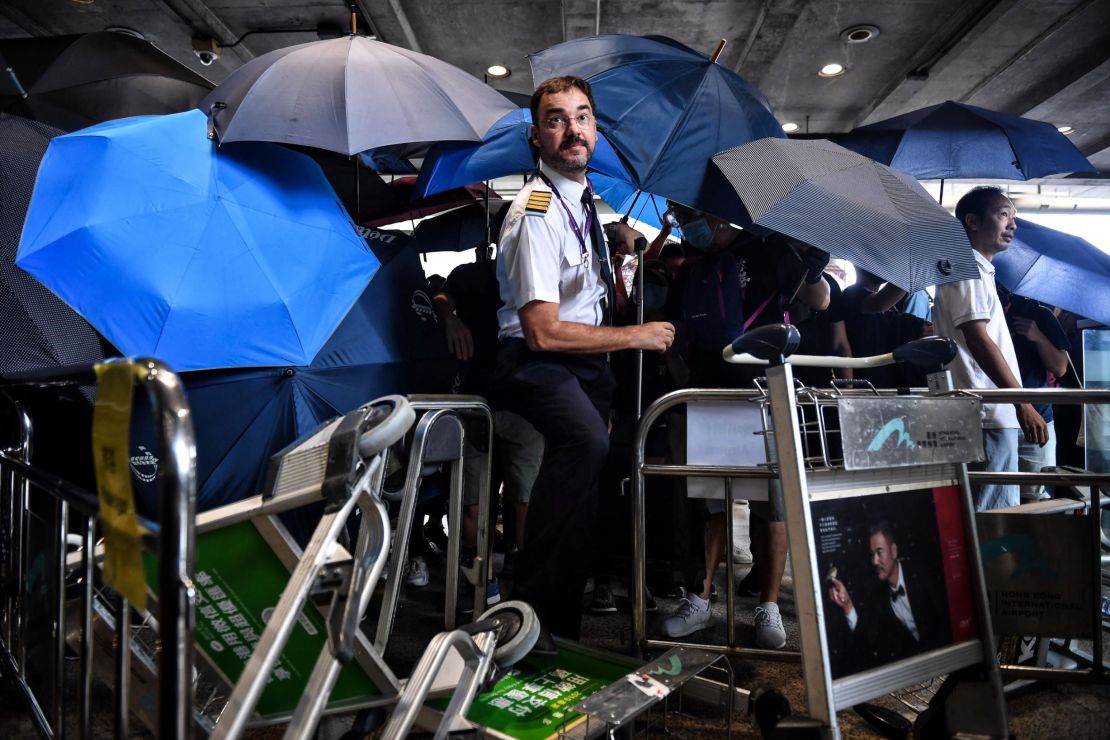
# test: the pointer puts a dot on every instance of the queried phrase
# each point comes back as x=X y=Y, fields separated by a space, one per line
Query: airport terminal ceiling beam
x=32 y=26
x=403 y=21
x=1025 y=51
x=935 y=54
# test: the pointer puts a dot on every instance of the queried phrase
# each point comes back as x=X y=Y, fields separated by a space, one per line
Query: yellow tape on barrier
x=123 y=567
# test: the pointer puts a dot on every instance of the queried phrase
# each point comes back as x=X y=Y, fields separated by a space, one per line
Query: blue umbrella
x=1057 y=268
x=667 y=109
x=204 y=258
x=623 y=197
x=390 y=342
x=505 y=150
x=965 y=141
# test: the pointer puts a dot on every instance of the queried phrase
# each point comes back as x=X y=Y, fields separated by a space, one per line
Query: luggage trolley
x=868 y=470
x=342 y=463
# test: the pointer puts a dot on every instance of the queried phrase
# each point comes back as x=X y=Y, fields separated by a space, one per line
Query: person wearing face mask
x=970 y=313
x=731 y=282
x=556 y=285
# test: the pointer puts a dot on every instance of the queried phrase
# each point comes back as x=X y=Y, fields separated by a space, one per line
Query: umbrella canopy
x=352 y=94
x=956 y=140
x=39 y=329
x=505 y=150
x=666 y=108
x=405 y=205
x=850 y=206
x=623 y=197
x=77 y=81
x=388 y=343
x=461 y=229
x=202 y=257
x=1057 y=268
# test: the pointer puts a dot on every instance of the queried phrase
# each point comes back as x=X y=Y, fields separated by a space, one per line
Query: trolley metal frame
x=812 y=474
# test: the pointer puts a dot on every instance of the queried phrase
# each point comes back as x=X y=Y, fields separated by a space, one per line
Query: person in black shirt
x=773 y=273
x=1041 y=348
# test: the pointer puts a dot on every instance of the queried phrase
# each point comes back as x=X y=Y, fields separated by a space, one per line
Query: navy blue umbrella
x=505 y=150
x=956 y=140
x=390 y=342
x=666 y=108
x=1057 y=268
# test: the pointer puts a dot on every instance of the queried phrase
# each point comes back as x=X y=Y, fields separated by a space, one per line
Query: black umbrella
x=39 y=330
x=349 y=95
x=850 y=206
x=464 y=228
x=76 y=81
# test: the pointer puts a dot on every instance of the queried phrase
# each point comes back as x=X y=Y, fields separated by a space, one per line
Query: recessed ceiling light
x=498 y=71
x=860 y=34
x=832 y=70
x=789 y=127
x=1065 y=129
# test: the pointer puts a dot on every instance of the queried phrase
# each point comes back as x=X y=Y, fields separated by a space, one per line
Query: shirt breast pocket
x=572 y=254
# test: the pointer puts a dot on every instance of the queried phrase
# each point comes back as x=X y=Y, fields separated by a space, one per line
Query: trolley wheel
x=518 y=631
x=769 y=708
x=928 y=726
x=387 y=420
x=366 y=721
x=886 y=722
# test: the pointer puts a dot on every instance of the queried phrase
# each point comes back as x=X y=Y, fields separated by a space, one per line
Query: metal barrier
x=74 y=519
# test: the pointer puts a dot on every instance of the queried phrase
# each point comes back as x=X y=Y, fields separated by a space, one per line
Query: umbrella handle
x=717 y=52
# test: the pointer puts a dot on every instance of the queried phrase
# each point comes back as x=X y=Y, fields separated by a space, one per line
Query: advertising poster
x=1038 y=571
x=896 y=576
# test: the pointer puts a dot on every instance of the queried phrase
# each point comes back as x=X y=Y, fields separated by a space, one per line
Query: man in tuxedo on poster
x=901 y=614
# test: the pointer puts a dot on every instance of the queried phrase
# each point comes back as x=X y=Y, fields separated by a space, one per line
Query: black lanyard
x=584 y=231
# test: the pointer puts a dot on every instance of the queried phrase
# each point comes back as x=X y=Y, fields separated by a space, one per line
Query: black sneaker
x=435 y=538
x=603 y=601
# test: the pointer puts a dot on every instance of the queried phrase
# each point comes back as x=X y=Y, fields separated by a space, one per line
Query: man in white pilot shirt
x=554 y=277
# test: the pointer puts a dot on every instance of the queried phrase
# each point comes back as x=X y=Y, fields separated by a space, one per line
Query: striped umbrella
x=850 y=206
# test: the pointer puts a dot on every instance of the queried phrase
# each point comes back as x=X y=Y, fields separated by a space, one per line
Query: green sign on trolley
x=239 y=580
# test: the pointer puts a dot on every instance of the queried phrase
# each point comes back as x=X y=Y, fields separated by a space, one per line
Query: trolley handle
x=771 y=344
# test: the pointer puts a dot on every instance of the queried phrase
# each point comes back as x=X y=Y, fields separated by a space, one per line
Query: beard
x=561 y=160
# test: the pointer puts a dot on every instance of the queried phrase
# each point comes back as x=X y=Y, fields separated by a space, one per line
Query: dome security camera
x=207 y=49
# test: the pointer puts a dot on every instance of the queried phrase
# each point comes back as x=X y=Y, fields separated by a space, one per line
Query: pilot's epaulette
x=538 y=202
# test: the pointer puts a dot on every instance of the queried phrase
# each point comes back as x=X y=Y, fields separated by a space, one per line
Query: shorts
x=518 y=450
x=771 y=510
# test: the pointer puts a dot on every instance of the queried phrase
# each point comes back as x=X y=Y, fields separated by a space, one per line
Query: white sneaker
x=769 y=633
x=693 y=614
x=417 y=572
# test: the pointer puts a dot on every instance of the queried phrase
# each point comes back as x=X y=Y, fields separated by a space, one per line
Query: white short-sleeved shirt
x=973 y=300
x=540 y=259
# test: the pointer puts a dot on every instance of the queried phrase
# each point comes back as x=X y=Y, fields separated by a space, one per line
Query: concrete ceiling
x=1047 y=59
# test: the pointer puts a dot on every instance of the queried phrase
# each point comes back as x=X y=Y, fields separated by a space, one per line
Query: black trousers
x=566 y=397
